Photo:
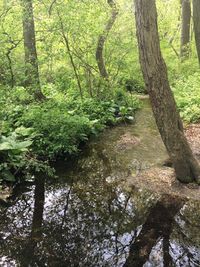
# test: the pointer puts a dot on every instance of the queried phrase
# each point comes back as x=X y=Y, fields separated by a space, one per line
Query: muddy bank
x=162 y=179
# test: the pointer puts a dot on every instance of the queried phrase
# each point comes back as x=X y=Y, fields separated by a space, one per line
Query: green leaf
x=8 y=176
x=23 y=145
x=5 y=146
x=23 y=131
x=131 y=118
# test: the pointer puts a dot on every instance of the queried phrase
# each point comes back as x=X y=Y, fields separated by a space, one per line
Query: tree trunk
x=196 y=20
x=185 y=28
x=163 y=103
x=66 y=41
x=10 y=67
x=102 y=39
x=32 y=80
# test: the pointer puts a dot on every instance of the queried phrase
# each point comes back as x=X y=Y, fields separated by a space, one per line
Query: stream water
x=86 y=217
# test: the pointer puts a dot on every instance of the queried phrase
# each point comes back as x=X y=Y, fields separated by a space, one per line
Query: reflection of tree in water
x=164 y=239
x=95 y=225
x=84 y=224
x=158 y=224
x=22 y=224
x=186 y=235
x=92 y=222
x=27 y=255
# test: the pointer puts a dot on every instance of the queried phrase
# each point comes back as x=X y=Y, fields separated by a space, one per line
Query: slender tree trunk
x=12 y=45
x=102 y=39
x=163 y=103
x=12 y=78
x=185 y=28
x=66 y=40
x=32 y=80
x=88 y=75
x=196 y=20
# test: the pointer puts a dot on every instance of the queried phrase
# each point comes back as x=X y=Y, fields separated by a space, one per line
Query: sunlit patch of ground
x=162 y=180
x=193 y=135
x=127 y=141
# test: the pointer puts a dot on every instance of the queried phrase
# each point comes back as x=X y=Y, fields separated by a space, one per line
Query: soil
x=162 y=179
x=193 y=135
x=127 y=141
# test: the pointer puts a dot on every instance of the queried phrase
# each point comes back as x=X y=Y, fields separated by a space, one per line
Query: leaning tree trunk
x=102 y=39
x=185 y=28
x=32 y=80
x=163 y=103
x=196 y=19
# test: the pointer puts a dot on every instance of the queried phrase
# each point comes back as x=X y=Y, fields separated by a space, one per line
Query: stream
x=87 y=217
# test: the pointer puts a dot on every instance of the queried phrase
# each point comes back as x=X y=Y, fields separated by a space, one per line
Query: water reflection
x=96 y=224
x=27 y=257
x=79 y=227
x=86 y=219
x=157 y=229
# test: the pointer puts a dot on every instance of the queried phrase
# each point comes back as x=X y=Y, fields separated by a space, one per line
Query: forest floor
x=162 y=179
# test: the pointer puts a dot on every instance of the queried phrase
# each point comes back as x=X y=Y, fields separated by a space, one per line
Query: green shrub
x=187 y=93
x=31 y=132
x=61 y=126
x=135 y=86
x=15 y=155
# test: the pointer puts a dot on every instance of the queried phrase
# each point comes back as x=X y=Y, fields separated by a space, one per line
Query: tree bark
x=185 y=28
x=196 y=20
x=32 y=80
x=163 y=103
x=102 y=39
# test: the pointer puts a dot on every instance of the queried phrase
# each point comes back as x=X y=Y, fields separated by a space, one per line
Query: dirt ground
x=162 y=179
x=127 y=141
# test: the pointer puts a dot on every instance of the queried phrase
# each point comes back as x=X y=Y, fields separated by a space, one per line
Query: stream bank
x=91 y=216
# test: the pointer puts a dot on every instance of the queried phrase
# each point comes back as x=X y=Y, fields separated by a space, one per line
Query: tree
x=12 y=45
x=185 y=28
x=163 y=103
x=67 y=44
x=32 y=80
x=196 y=20
x=102 y=39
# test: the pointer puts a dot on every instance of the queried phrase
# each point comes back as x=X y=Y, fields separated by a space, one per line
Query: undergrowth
x=33 y=133
x=187 y=94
